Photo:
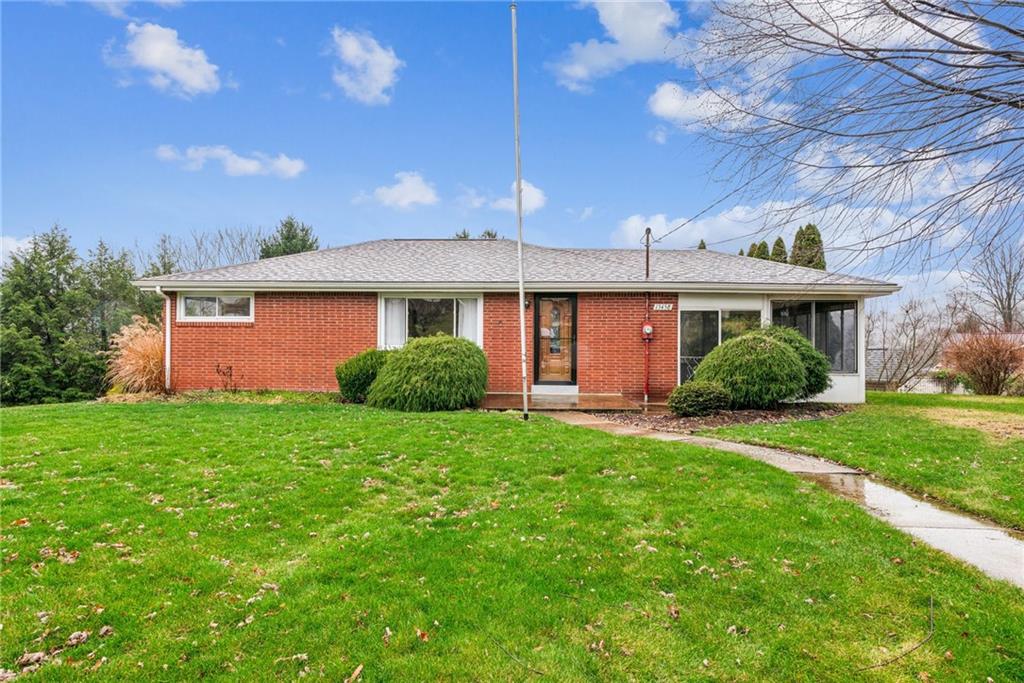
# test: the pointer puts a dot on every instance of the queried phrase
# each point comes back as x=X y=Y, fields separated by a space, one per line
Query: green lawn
x=265 y=540
x=908 y=439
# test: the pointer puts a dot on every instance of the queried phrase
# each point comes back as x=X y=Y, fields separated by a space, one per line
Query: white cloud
x=113 y=8
x=584 y=214
x=470 y=198
x=689 y=109
x=638 y=32
x=658 y=135
x=534 y=199
x=410 y=190
x=172 y=66
x=726 y=231
x=194 y=158
x=368 y=71
x=9 y=245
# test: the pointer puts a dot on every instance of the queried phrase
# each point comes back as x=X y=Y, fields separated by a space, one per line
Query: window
x=698 y=334
x=209 y=307
x=833 y=332
x=701 y=331
x=405 y=318
x=735 y=323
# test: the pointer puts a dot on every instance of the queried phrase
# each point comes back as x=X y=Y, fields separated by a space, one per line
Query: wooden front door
x=554 y=326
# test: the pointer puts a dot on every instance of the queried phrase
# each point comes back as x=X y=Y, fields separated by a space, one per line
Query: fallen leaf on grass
x=387 y=636
x=77 y=638
x=673 y=611
x=106 y=631
x=422 y=635
x=23 y=521
x=355 y=675
x=30 y=659
x=7 y=675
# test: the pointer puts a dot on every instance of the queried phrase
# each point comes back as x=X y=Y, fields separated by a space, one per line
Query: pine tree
x=779 y=251
x=488 y=234
x=164 y=260
x=462 y=234
x=762 y=250
x=808 y=250
x=752 y=250
x=115 y=298
x=48 y=346
x=741 y=251
x=702 y=245
x=291 y=237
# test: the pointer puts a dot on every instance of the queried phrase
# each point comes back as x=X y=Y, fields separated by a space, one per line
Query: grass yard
x=967 y=451
x=268 y=541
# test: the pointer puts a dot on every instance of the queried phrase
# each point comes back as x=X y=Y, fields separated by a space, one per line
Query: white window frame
x=686 y=307
x=381 y=296
x=181 y=317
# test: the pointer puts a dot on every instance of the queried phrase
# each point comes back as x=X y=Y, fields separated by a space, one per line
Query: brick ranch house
x=285 y=322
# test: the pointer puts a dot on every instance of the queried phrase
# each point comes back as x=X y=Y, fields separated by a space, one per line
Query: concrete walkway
x=994 y=550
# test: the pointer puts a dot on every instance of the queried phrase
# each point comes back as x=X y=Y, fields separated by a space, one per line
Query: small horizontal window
x=211 y=307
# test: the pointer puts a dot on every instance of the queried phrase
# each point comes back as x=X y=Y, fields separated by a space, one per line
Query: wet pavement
x=995 y=551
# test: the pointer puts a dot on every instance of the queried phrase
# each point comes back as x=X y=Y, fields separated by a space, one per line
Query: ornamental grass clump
x=816 y=365
x=136 y=358
x=356 y=375
x=431 y=373
x=697 y=398
x=757 y=370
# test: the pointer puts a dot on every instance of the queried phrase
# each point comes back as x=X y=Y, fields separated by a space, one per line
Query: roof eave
x=858 y=289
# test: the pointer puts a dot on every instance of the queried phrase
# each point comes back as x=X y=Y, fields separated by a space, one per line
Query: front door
x=554 y=325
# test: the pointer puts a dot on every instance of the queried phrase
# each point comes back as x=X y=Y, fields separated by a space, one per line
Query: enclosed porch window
x=830 y=325
x=701 y=331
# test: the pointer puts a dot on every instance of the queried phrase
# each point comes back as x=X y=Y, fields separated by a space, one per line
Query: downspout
x=647 y=319
x=167 y=338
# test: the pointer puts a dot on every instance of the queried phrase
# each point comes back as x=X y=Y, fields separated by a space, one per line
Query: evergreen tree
x=808 y=249
x=752 y=250
x=741 y=251
x=488 y=234
x=779 y=254
x=164 y=260
x=115 y=299
x=48 y=346
x=291 y=237
x=462 y=234
x=762 y=250
x=702 y=245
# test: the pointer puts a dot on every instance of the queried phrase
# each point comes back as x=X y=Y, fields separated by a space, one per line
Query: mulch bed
x=670 y=423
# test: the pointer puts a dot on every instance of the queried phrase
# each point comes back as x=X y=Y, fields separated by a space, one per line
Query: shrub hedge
x=698 y=397
x=757 y=370
x=816 y=365
x=431 y=373
x=357 y=374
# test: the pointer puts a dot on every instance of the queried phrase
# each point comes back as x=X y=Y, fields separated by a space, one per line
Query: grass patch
x=265 y=541
x=900 y=438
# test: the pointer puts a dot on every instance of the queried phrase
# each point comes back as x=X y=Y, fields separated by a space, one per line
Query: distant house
x=285 y=322
x=921 y=383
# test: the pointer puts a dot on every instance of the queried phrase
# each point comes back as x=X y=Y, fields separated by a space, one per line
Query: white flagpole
x=519 y=213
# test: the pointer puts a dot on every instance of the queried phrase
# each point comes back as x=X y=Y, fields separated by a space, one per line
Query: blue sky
x=97 y=129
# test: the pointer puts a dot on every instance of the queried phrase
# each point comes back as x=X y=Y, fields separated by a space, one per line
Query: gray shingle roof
x=491 y=264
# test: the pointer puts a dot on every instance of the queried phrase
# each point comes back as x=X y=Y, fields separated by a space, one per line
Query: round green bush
x=696 y=397
x=757 y=371
x=431 y=373
x=816 y=365
x=357 y=374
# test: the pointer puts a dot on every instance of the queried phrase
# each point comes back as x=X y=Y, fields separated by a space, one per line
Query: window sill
x=214 y=323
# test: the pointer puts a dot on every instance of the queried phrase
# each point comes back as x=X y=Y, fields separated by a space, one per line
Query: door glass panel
x=555 y=339
x=698 y=334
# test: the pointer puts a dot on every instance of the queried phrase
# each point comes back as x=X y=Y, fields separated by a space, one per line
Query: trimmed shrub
x=757 y=370
x=357 y=374
x=698 y=397
x=431 y=373
x=816 y=365
x=136 y=358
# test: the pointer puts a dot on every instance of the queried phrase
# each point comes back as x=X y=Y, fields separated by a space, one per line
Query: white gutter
x=824 y=288
x=167 y=337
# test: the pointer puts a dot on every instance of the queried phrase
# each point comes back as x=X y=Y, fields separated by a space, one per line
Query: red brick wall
x=296 y=339
x=294 y=342
x=501 y=342
x=609 y=350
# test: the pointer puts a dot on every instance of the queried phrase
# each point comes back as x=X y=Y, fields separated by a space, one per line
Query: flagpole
x=519 y=213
